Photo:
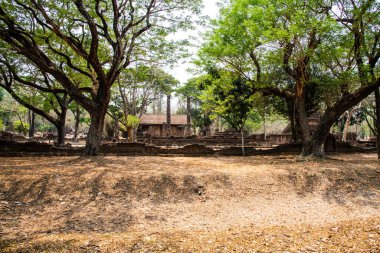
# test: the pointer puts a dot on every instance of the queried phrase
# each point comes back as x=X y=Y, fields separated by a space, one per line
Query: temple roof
x=159 y=119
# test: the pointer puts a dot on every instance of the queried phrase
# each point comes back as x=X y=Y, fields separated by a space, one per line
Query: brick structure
x=156 y=126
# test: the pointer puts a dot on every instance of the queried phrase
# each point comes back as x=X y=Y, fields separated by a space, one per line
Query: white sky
x=180 y=71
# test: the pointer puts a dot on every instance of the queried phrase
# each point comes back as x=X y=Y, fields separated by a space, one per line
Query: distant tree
x=78 y=113
x=229 y=96
x=200 y=119
x=137 y=88
x=36 y=91
x=20 y=126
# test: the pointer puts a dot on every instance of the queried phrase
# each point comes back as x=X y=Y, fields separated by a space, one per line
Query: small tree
x=21 y=127
x=229 y=96
x=132 y=123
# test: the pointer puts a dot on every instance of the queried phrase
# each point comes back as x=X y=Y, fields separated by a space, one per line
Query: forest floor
x=181 y=204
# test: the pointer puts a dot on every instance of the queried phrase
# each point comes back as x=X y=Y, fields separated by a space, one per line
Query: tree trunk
x=346 y=126
x=76 y=127
x=31 y=117
x=307 y=146
x=293 y=128
x=323 y=129
x=130 y=134
x=61 y=134
x=293 y=122
x=318 y=148
x=94 y=136
x=377 y=99
x=168 y=117
x=159 y=109
x=154 y=106
x=116 y=128
x=188 y=116
x=61 y=129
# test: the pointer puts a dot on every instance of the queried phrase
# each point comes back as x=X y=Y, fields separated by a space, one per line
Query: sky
x=180 y=71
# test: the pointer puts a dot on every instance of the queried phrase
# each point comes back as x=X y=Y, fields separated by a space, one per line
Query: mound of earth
x=182 y=204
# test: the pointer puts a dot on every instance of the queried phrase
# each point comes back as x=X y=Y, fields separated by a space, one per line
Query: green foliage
x=250 y=38
x=200 y=119
x=85 y=120
x=228 y=95
x=1 y=125
x=45 y=128
x=2 y=94
x=253 y=123
x=132 y=121
x=20 y=127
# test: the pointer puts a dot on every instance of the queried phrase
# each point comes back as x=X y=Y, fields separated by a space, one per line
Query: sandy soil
x=181 y=204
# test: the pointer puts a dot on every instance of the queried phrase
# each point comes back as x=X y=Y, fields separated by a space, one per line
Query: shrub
x=20 y=126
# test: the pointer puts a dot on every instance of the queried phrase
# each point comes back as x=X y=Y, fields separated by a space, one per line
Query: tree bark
x=159 y=107
x=76 y=127
x=130 y=134
x=303 y=124
x=168 y=116
x=31 y=117
x=61 y=134
x=377 y=99
x=346 y=126
x=94 y=136
x=116 y=128
x=61 y=129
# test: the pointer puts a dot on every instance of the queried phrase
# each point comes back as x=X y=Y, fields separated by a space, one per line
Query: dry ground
x=181 y=204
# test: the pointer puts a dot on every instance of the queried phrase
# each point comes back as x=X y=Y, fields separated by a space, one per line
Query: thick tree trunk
x=76 y=127
x=293 y=122
x=323 y=129
x=377 y=99
x=130 y=134
x=61 y=129
x=303 y=125
x=168 y=116
x=31 y=117
x=319 y=148
x=61 y=134
x=94 y=136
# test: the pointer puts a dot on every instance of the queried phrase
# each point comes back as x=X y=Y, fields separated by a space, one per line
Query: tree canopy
x=89 y=43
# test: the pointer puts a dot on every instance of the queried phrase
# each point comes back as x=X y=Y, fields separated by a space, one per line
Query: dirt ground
x=182 y=204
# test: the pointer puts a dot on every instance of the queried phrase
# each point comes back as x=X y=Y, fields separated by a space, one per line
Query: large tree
x=287 y=47
x=84 y=42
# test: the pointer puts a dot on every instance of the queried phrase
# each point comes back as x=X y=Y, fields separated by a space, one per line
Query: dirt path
x=66 y=204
